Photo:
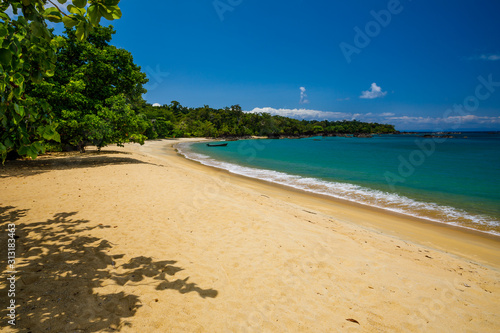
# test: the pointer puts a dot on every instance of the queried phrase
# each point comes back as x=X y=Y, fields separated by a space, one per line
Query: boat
x=216 y=144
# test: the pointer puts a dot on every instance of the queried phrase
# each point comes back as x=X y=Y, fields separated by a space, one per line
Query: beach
x=141 y=239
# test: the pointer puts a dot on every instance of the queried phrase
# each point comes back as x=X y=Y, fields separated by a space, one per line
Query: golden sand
x=139 y=239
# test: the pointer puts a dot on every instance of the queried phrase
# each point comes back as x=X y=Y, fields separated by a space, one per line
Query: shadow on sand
x=60 y=266
x=63 y=161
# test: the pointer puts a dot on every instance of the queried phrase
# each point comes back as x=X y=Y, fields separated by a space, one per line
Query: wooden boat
x=216 y=144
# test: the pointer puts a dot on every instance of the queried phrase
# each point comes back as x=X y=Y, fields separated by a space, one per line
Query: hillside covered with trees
x=174 y=120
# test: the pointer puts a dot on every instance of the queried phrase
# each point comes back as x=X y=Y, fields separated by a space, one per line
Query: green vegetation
x=27 y=56
x=95 y=92
x=175 y=120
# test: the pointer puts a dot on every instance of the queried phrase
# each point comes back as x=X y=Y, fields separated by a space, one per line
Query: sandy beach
x=140 y=239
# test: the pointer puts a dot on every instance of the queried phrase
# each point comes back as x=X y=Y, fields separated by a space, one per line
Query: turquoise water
x=454 y=181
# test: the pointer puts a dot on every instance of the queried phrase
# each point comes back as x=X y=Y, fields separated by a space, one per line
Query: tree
x=28 y=55
x=91 y=75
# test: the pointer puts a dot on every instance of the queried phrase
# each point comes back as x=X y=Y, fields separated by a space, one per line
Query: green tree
x=91 y=75
x=28 y=55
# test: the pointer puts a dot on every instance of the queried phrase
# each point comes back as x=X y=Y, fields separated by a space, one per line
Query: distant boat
x=216 y=144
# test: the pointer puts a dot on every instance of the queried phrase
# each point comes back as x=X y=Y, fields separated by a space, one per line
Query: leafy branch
x=60 y=11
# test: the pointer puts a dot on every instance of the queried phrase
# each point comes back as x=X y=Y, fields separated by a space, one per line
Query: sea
x=451 y=179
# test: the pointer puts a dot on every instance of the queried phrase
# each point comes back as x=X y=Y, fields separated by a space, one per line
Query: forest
x=174 y=120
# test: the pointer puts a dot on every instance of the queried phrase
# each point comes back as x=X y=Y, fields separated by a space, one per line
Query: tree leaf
x=3 y=31
x=23 y=150
x=37 y=28
x=56 y=137
x=18 y=79
x=81 y=31
x=93 y=14
x=19 y=109
x=3 y=151
x=115 y=12
x=32 y=152
x=48 y=133
x=18 y=92
x=8 y=143
x=103 y=10
x=36 y=77
x=70 y=21
x=75 y=10
x=53 y=15
x=80 y=3
x=111 y=2
x=4 y=17
x=5 y=57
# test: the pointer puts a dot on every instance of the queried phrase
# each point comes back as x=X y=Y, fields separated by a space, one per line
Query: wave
x=355 y=193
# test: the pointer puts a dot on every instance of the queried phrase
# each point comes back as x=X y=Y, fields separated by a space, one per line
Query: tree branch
x=60 y=11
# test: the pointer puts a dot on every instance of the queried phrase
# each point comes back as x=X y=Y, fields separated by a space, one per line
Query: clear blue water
x=454 y=181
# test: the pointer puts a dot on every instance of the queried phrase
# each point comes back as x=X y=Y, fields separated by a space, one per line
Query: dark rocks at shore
x=437 y=136
x=363 y=135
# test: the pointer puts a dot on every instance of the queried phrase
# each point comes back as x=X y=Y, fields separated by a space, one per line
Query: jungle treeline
x=175 y=120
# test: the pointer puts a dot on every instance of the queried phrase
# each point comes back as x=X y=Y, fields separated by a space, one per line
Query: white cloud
x=309 y=114
x=302 y=113
x=156 y=104
x=374 y=92
x=453 y=119
x=437 y=123
x=402 y=122
x=303 y=96
x=490 y=57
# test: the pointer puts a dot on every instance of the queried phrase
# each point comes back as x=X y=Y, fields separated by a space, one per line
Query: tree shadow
x=65 y=161
x=59 y=267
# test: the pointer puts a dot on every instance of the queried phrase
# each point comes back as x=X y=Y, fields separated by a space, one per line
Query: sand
x=139 y=239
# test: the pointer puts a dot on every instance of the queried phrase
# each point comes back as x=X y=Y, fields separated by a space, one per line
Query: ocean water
x=449 y=180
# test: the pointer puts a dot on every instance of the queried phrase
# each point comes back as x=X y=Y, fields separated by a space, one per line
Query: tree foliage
x=28 y=55
x=94 y=80
x=174 y=120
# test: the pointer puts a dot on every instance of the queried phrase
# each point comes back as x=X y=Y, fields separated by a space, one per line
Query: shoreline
x=423 y=231
x=141 y=238
x=399 y=203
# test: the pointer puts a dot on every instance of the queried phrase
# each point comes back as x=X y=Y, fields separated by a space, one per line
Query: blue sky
x=414 y=64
